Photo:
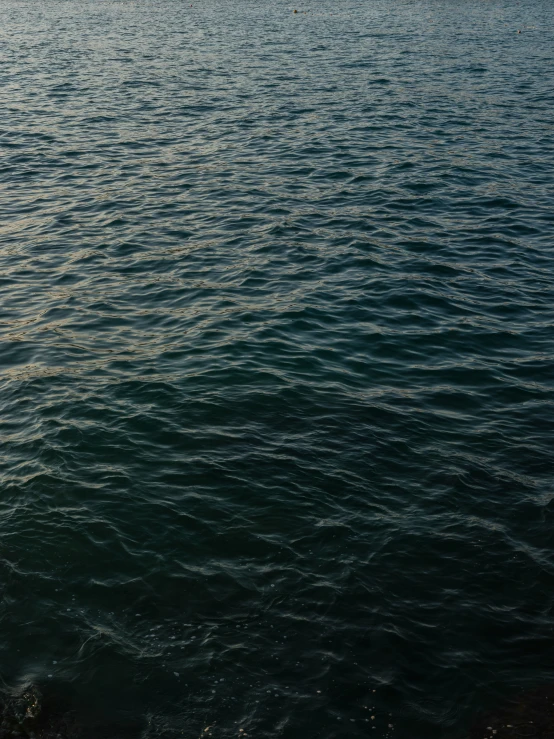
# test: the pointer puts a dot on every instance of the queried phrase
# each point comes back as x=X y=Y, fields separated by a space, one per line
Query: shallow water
x=276 y=362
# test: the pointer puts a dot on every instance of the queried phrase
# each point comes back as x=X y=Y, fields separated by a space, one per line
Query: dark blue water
x=276 y=390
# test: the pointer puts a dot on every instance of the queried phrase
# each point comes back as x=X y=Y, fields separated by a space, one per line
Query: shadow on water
x=33 y=712
x=27 y=712
x=528 y=714
x=30 y=713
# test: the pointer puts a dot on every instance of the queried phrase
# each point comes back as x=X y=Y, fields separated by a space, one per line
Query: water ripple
x=276 y=377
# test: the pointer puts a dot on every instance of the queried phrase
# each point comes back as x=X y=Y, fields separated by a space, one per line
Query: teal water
x=276 y=356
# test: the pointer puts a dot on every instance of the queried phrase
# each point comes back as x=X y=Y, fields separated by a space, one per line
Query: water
x=277 y=385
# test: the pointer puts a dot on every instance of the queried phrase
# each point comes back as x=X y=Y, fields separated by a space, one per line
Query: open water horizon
x=276 y=377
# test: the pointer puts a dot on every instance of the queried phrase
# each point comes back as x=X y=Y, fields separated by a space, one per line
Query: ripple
x=276 y=392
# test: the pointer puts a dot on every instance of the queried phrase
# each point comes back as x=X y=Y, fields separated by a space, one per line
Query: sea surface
x=277 y=363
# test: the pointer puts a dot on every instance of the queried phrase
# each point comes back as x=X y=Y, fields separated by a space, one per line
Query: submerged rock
x=28 y=705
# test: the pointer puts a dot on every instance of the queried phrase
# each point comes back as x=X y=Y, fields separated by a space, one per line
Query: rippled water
x=276 y=347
